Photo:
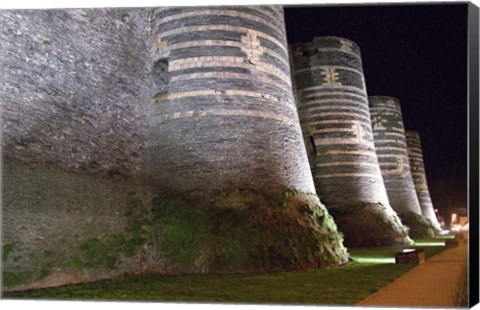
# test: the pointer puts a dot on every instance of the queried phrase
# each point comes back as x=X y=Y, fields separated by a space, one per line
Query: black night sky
x=418 y=54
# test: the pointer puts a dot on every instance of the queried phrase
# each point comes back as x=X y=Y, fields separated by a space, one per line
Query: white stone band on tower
x=333 y=108
x=391 y=147
x=223 y=114
x=417 y=167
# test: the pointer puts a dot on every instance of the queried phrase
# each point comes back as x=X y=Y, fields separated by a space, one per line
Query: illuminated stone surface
x=106 y=111
x=417 y=167
x=223 y=118
x=74 y=99
x=74 y=91
x=391 y=147
x=223 y=114
x=334 y=114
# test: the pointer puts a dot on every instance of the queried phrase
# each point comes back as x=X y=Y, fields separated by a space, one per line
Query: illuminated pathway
x=435 y=283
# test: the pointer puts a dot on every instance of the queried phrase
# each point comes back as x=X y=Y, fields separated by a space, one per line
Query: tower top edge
x=334 y=42
x=412 y=134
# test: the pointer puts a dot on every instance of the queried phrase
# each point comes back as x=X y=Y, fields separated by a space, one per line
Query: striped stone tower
x=391 y=147
x=333 y=109
x=223 y=119
x=417 y=167
x=223 y=114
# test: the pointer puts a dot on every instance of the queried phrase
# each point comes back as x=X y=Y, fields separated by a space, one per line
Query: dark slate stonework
x=227 y=117
x=75 y=88
x=391 y=147
x=111 y=118
x=223 y=127
x=81 y=76
x=417 y=167
x=333 y=109
x=335 y=119
x=63 y=228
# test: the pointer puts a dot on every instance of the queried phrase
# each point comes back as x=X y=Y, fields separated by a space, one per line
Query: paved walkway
x=436 y=283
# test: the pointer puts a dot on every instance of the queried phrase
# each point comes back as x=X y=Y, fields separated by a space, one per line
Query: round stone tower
x=225 y=138
x=391 y=147
x=417 y=167
x=223 y=114
x=333 y=110
x=392 y=153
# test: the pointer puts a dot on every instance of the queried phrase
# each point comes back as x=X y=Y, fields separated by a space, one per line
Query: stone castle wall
x=74 y=87
x=112 y=117
x=224 y=134
x=333 y=109
x=417 y=167
x=223 y=115
x=391 y=147
x=168 y=140
x=60 y=228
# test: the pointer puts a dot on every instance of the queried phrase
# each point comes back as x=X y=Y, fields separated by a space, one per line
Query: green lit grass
x=432 y=242
x=386 y=255
x=429 y=243
x=342 y=285
x=335 y=285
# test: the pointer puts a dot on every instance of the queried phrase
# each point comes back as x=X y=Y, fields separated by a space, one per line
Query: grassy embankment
x=370 y=269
